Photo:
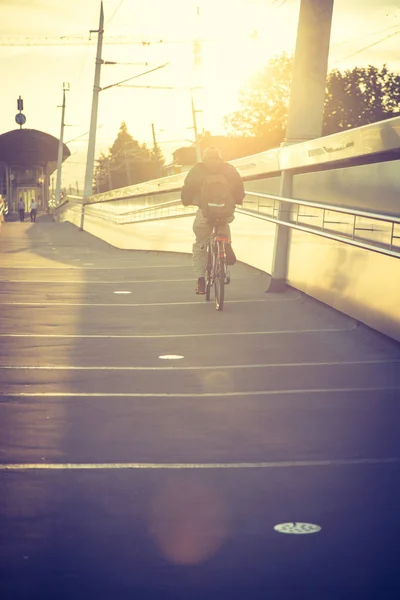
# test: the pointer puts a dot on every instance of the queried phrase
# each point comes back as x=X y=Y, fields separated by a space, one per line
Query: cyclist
x=193 y=193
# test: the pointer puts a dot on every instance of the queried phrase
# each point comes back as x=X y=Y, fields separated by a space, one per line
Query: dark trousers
x=33 y=214
x=21 y=214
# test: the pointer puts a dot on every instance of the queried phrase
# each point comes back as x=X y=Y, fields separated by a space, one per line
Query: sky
x=44 y=43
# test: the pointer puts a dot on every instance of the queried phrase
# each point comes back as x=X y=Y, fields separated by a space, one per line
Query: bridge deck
x=126 y=475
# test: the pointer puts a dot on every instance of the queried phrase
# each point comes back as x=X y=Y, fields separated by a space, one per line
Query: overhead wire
x=367 y=47
x=115 y=12
x=369 y=34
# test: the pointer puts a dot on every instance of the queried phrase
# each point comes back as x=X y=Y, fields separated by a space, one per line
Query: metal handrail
x=381 y=248
x=327 y=207
x=123 y=218
x=355 y=213
x=322 y=233
x=143 y=209
x=330 y=207
x=137 y=210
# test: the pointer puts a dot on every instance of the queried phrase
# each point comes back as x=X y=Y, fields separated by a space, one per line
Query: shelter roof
x=29 y=147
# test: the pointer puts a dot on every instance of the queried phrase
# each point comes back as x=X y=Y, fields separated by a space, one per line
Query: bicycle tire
x=209 y=271
x=219 y=277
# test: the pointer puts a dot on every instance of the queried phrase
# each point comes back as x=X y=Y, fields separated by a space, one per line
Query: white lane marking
x=58 y=281
x=201 y=368
x=297 y=528
x=121 y=292
x=170 y=357
x=78 y=280
x=192 y=302
x=243 y=465
x=128 y=267
x=194 y=394
x=176 y=335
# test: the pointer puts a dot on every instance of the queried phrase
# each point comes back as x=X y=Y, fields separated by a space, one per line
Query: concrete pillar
x=306 y=110
x=46 y=187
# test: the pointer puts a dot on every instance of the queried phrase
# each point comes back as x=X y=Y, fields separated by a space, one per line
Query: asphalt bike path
x=153 y=447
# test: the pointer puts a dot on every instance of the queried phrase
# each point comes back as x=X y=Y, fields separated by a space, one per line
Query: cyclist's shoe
x=201 y=286
x=230 y=255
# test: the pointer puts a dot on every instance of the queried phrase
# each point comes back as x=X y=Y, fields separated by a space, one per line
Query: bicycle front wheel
x=219 y=278
x=208 y=271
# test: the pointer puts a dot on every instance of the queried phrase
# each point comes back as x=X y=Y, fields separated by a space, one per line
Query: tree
x=102 y=174
x=185 y=155
x=360 y=96
x=127 y=163
x=264 y=104
x=353 y=98
x=231 y=147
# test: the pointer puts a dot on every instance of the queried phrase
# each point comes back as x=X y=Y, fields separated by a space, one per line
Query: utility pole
x=197 y=66
x=127 y=166
x=110 y=184
x=88 y=186
x=196 y=135
x=156 y=151
x=60 y=146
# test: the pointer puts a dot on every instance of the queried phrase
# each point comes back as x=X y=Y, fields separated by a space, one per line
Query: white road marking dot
x=297 y=528
x=170 y=357
x=88 y=264
x=122 y=292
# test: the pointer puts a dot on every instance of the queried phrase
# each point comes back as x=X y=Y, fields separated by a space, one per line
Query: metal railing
x=325 y=229
x=164 y=210
x=254 y=205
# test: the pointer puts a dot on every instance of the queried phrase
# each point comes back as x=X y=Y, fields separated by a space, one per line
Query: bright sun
x=237 y=38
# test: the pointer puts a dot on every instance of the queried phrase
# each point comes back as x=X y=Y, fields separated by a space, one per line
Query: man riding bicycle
x=215 y=186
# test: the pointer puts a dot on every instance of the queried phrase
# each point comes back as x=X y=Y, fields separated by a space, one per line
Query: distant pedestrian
x=33 y=210
x=21 y=210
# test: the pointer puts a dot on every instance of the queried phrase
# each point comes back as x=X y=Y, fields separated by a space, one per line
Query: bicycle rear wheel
x=219 y=277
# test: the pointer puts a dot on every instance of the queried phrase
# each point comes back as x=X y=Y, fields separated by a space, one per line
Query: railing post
x=82 y=215
x=281 y=241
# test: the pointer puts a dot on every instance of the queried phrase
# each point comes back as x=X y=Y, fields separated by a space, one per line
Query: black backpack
x=216 y=200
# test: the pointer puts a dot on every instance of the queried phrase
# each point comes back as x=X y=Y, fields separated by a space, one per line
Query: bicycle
x=217 y=273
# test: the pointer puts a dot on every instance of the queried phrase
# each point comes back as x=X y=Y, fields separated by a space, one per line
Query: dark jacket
x=190 y=193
